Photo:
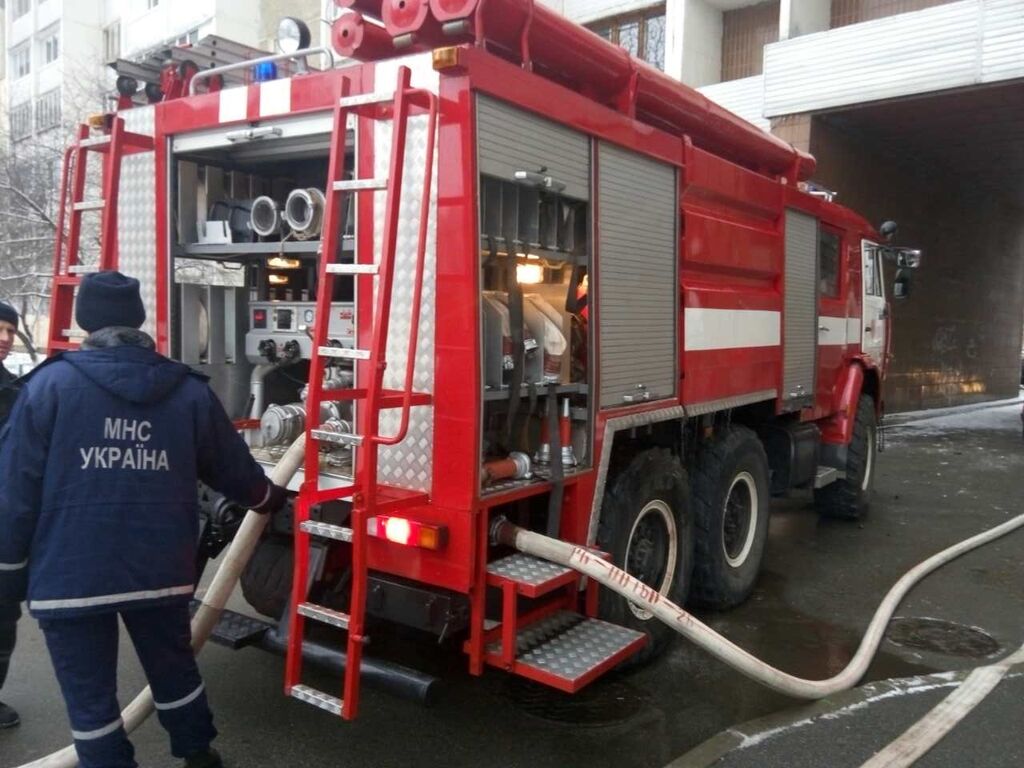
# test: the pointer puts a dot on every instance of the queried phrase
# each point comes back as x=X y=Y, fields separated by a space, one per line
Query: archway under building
x=949 y=168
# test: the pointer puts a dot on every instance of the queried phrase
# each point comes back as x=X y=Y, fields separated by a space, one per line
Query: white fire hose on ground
x=211 y=606
x=902 y=752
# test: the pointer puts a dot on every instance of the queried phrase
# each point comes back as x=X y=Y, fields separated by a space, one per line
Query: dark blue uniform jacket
x=99 y=462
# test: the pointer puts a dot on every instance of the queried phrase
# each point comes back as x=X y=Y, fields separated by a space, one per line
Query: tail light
x=408 y=533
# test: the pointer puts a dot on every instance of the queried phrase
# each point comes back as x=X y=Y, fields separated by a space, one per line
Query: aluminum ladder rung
x=94 y=141
x=344 y=353
x=366 y=99
x=317 y=698
x=326 y=530
x=352 y=269
x=338 y=438
x=360 y=185
x=89 y=205
x=83 y=269
x=324 y=615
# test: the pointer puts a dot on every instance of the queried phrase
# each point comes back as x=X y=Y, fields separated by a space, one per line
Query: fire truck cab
x=608 y=311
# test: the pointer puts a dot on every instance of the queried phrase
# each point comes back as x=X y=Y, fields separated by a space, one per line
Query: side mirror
x=901 y=285
x=888 y=230
x=908 y=258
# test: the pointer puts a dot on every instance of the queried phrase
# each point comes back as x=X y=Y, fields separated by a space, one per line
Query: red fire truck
x=490 y=267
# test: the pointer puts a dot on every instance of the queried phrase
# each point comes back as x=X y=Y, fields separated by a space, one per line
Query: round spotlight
x=127 y=86
x=292 y=35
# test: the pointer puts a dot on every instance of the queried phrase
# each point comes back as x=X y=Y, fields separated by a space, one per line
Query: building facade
x=57 y=51
x=913 y=109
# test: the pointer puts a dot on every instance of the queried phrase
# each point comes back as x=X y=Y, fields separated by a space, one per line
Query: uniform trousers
x=84 y=653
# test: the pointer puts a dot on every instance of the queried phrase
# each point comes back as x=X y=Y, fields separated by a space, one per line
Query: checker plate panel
x=569 y=646
x=526 y=570
x=136 y=214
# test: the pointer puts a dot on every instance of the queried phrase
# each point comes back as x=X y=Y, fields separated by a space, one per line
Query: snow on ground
x=998 y=418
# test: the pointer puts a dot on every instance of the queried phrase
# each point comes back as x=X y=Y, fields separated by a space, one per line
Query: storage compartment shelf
x=542 y=390
x=549 y=254
x=234 y=250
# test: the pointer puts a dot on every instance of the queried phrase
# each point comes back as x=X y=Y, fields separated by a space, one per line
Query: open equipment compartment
x=247 y=211
x=535 y=259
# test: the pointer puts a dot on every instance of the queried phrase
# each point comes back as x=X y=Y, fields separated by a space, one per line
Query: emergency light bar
x=409 y=533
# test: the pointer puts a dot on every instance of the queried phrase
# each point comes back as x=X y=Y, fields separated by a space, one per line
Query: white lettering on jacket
x=121 y=457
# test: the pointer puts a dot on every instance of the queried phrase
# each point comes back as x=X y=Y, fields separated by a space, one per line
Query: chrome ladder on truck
x=67 y=266
x=368 y=497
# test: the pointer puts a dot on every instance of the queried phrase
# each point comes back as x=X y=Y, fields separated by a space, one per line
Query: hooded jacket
x=100 y=459
x=8 y=393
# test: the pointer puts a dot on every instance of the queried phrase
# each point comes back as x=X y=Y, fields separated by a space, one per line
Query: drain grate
x=941 y=636
x=604 y=702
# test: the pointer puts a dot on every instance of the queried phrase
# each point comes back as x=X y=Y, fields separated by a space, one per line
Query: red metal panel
x=721 y=373
x=457 y=385
x=450 y=567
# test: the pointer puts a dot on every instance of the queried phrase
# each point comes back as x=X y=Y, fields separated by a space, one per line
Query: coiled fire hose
x=211 y=605
x=599 y=569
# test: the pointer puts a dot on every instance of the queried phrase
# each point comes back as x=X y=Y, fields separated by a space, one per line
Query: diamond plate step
x=532 y=576
x=567 y=651
x=317 y=698
x=235 y=630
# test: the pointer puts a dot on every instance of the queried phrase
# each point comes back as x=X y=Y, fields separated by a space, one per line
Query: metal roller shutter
x=800 y=325
x=638 y=285
x=511 y=140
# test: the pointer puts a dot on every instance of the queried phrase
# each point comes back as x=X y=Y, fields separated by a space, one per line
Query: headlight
x=292 y=35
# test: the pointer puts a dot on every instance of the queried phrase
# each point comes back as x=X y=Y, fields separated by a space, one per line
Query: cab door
x=873 y=303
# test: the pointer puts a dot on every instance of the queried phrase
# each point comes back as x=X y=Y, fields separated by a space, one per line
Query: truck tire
x=731 y=492
x=267 y=579
x=646 y=527
x=848 y=497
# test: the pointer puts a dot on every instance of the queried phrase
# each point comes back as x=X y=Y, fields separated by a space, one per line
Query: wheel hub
x=739 y=519
x=652 y=551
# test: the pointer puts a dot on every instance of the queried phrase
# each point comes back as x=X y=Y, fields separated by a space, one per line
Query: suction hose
x=211 y=606
x=589 y=564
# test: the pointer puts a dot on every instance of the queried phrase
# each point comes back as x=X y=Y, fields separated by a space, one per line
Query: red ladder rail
x=67 y=265
x=365 y=493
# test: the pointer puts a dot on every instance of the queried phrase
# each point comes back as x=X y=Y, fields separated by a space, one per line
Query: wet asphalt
x=939 y=481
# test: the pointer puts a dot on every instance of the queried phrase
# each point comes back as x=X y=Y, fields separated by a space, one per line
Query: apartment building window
x=49 y=45
x=20 y=7
x=21 y=61
x=21 y=121
x=48 y=110
x=112 y=41
x=642 y=34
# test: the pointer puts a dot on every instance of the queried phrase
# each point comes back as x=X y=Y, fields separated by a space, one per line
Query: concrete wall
x=701 y=43
x=957 y=338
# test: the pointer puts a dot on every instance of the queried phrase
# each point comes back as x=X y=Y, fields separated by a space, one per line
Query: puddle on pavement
x=605 y=702
x=940 y=636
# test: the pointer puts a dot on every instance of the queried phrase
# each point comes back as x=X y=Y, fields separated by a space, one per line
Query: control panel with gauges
x=283 y=329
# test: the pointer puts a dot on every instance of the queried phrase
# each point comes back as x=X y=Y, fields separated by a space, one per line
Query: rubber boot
x=8 y=717
x=208 y=759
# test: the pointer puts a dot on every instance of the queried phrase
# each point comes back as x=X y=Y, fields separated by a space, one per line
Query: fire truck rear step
x=236 y=630
x=532 y=576
x=317 y=698
x=567 y=651
x=827 y=476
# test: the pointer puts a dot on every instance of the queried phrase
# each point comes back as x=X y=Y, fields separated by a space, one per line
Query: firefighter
x=10 y=610
x=99 y=508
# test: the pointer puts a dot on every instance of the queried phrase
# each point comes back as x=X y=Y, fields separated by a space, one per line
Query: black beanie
x=8 y=314
x=109 y=299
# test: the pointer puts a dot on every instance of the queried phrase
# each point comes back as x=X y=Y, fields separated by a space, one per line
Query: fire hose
x=596 y=567
x=211 y=605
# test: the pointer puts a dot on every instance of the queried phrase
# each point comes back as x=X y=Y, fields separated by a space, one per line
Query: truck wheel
x=847 y=498
x=267 y=579
x=646 y=527
x=730 y=503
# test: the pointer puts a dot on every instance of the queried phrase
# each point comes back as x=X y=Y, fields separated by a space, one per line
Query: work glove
x=275 y=499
